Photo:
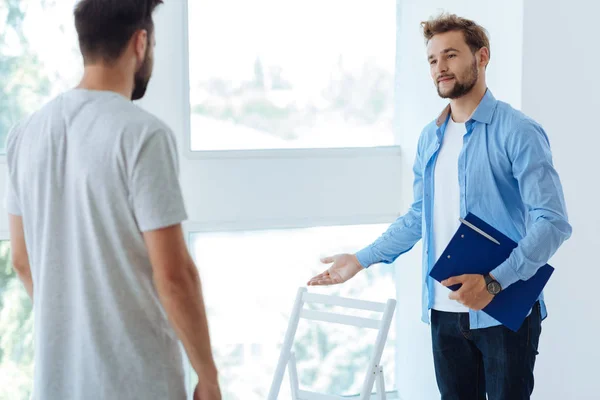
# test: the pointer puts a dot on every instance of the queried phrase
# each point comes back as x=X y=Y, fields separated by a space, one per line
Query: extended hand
x=344 y=267
x=207 y=391
x=473 y=293
x=208 y=384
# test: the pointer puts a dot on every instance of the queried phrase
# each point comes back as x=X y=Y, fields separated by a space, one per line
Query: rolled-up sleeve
x=542 y=193
x=403 y=233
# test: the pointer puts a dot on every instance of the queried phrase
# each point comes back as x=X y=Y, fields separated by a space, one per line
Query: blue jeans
x=497 y=361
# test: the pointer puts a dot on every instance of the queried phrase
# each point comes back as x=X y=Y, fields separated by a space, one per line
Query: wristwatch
x=493 y=287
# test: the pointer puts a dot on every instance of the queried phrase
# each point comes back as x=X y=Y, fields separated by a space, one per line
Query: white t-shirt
x=89 y=173
x=446 y=206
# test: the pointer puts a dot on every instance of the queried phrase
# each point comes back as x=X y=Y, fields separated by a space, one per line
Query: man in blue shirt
x=480 y=156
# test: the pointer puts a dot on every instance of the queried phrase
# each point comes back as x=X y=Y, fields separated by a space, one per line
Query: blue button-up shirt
x=506 y=177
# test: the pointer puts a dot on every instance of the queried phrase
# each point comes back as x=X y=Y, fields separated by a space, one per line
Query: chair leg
x=373 y=368
x=293 y=373
x=286 y=348
x=380 y=384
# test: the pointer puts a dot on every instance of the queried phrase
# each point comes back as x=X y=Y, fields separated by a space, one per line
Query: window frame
x=303 y=152
x=370 y=213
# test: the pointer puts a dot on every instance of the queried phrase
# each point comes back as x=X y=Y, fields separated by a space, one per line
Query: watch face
x=494 y=288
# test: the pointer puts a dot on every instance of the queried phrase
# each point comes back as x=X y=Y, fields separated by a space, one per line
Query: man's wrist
x=364 y=257
x=208 y=371
x=505 y=275
x=492 y=285
x=357 y=261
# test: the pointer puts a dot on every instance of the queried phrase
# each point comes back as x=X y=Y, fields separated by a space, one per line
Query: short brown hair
x=105 y=26
x=475 y=35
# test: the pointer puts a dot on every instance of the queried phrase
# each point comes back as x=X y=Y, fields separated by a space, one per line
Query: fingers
x=453 y=280
x=317 y=277
x=464 y=295
x=322 y=274
x=321 y=282
x=455 y=296
x=323 y=279
x=328 y=260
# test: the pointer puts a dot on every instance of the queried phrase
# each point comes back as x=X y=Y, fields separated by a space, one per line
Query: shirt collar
x=483 y=113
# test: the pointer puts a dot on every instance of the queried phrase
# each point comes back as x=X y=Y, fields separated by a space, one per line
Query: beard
x=142 y=77
x=140 y=86
x=463 y=86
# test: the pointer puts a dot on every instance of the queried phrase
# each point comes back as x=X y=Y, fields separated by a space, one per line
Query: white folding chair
x=374 y=371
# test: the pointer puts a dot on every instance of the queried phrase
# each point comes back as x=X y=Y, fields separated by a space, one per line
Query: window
x=16 y=332
x=250 y=281
x=39 y=57
x=271 y=74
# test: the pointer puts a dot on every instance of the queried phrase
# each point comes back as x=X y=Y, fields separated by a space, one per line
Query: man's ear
x=140 y=45
x=484 y=57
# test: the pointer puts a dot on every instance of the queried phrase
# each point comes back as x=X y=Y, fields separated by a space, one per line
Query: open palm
x=344 y=267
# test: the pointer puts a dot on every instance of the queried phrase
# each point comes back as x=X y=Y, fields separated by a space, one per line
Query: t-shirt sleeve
x=155 y=190
x=11 y=201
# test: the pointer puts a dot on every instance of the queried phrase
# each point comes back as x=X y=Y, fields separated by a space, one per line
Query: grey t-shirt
x=89 y=173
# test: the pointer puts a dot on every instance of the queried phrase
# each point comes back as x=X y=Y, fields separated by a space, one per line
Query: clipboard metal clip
x=476 y=229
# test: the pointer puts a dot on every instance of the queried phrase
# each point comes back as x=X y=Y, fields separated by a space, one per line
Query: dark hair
x=476 y=36
x=105 y=26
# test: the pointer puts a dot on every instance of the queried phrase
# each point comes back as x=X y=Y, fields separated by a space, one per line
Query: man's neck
x=463 y=107
x=104 y=78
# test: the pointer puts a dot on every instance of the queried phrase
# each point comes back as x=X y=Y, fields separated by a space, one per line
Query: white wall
x=557 y=51
x=418 y=105
x=561 y=89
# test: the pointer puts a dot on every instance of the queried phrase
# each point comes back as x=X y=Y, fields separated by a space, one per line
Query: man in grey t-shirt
x=95 y=212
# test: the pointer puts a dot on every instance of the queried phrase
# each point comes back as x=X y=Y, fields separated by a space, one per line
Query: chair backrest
x=373 y=370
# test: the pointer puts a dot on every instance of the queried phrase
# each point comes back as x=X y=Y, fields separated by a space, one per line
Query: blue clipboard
x=478 y=248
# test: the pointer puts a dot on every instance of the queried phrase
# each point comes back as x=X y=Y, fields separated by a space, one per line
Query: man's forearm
x=540 y=243
x=184 y=304
x=400 y=237
x=24 y=274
